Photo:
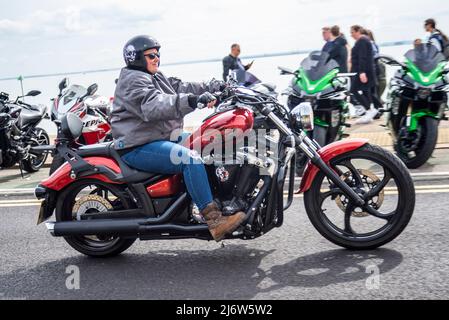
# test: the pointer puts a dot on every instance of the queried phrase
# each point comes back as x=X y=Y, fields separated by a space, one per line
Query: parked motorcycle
x=102 y=206
x=91 y=108
x=19 y=133
x=416 y=103
x=318 y=84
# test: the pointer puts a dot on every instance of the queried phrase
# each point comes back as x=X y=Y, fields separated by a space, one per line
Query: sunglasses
x=153 y=56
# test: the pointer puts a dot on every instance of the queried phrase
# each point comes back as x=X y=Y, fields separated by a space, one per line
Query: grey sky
x=59 y=36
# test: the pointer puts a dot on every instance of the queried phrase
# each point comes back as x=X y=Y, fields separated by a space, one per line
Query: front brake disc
x=370 y=180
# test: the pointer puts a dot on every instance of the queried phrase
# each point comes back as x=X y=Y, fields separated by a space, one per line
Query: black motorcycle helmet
x=134 y=49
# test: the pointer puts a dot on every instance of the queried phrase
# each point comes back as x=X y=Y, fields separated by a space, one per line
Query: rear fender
x=328 y=153
x=61 y=178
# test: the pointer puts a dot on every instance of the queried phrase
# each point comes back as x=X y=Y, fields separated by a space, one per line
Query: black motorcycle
x=19 y=133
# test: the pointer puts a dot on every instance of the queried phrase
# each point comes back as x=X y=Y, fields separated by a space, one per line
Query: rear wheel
x=386 y=184
x=415 y=149
x=92 y=196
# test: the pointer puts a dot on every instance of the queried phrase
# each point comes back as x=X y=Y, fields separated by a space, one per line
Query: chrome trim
x=280 y=124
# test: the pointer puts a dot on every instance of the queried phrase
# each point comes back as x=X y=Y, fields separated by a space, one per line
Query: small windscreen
x=70 y=97
x=425 y=57
x=318 y=64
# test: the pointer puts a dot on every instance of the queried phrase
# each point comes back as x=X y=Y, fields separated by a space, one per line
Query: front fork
x=310 y=148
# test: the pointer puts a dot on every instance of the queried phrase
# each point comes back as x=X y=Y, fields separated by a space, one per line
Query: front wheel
x=34 y=163
x=416 y=148
x=378 y=176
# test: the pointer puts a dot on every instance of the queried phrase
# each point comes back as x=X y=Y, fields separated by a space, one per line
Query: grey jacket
x=149 y=108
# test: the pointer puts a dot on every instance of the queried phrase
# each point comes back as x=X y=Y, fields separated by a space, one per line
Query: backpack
x=444 y=44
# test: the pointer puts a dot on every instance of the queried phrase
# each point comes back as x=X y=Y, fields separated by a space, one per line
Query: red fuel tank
x=240 y=120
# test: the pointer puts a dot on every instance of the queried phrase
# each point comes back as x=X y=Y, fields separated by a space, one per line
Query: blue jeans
x=165 y=157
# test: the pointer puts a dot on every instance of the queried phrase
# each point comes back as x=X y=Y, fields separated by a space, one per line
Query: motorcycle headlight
x=303 y=115
x=424 y=93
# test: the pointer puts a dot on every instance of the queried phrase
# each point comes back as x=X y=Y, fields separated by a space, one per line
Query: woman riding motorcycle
x=147 y=108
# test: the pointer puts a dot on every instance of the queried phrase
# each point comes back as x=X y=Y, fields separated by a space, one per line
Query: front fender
x=418 y=115
x=328 y=153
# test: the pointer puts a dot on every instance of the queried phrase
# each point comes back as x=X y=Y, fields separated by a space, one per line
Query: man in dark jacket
x=147 y=108
x=327 y=37
x=362 y=57
x=339 y=50
x=232 y=62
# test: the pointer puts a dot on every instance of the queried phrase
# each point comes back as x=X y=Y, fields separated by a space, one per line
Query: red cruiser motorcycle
x=91 y=108
x=357 y=195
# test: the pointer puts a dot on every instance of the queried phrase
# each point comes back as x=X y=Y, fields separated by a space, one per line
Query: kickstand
x=223 y=245
x=21 y=170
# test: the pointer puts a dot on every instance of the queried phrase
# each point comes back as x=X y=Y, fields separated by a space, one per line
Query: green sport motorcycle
x=319 y=85
x=417 y=100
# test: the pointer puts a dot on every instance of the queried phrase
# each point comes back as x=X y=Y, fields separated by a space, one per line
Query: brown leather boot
x=219 y=225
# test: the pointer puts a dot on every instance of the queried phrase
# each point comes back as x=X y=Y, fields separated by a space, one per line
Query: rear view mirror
x=390 y=61
x=92 y=89
x=285 y=71
x=33 y=93
x=63 y=84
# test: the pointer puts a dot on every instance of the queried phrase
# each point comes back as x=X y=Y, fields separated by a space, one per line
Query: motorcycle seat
x=95 y=150
x=129 y=175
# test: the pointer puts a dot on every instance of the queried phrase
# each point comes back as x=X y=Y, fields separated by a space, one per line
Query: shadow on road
x=233 y=272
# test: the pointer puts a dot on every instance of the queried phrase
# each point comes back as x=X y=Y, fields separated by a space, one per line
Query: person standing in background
x=327 y=37
x=362 y=57
x=436 y=37
x=380 y=71
x=232 y=62
x=339 y=51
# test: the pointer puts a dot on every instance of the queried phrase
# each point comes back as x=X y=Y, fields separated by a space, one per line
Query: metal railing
x=21 y=78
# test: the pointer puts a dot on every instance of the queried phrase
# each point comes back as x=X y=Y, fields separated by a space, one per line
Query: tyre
x=387 y=185
x=92 y=196
x=35 y=163
x=425 y=147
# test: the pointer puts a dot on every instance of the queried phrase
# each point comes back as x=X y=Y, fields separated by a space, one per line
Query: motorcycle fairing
x=316 y=72
x=425 y=64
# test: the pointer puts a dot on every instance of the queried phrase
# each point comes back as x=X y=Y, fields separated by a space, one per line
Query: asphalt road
x=293 y=262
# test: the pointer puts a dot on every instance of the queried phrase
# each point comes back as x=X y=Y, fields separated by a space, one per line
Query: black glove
x=201 y=102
